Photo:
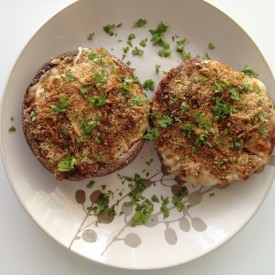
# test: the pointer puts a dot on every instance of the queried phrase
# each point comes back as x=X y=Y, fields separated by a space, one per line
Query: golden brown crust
x=216 y=124
x=84 y=114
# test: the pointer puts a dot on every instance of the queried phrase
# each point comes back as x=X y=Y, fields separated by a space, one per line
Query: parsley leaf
x=154 y=133
x=12 y=129
x=61 y=107
x=149 y=84
x=143 y=212
x=140 y=23
x=165 y=121
x=137 y=101
x=66 y=164
x=110 y=28
x=90 y=37
x=211 y=46
x=249 y=72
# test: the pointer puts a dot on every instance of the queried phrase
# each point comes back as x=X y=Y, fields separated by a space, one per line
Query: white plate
x=210 y=220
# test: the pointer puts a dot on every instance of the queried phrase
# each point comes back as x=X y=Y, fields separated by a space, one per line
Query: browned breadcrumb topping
x=216 y=125
x=87 y=110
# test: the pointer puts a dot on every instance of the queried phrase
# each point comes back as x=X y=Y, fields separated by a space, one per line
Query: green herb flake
x=66 y=164
x=211 y=46
x=131 y=36
x=185 y=106
x=154 y=198
x=100 y=77
x=256 y=88
x=165 y=121
x=137 y=101
x=222 y=109
x=12 y=129
x=61 y=107
x=64 y=130
x=90 y=184
x=237 y=144
x=96 y=56
x=202 y=79
x=250 y=72
x=12 y=118
x=140 y=23
x=157 y=68
x=32 y=116
x=206 y=55
x=149 y=84
x=85 y=91
x=235 y=95
x=90 y=36
x=158 y=39
x=143 y=42
x=187 y=130
x=164 y=207
x=143 y=212
x=246 y=86
x=110 y=28
x=180 y=47
x=262 y=117
x=224 y=161
x=263 y=133
x=68 y=76
x=137 y=52
x=153 y=134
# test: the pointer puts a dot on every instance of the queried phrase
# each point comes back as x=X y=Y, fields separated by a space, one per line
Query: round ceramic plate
x=63 y=209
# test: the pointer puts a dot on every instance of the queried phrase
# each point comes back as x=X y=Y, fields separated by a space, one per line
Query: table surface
x=25 y=249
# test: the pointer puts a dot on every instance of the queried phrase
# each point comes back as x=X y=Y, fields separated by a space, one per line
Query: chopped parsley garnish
x=130 y=38
x=90 y=184
x=96 y=56
x=88 y=126
x=154 y=198
x=90 y=36
x=157 y=67
x=211 y=46
x=202 y=79
x=85 y=91
x=262 y=117
x=158 y=39
x=180 y=47
x=153 y=134
x=164 y=207
x=138 y=101
x=12 y=118
x=64 y=130
x=110 y=28
x=185 y=106
x=222 y=109
x=143 y=42
x=149 y=84
x=66 y=164
x=249 y=72
x=165 y=121
x=137 y=52
x=140 y=23
x=187 y=129
x=237 y=144
x=245 y=86
x=263 y=133
x=32 y=116
x=68 y=76
x=235 y=95
x=12 y=129
x=61 y=107
x=143 y=212
x=100 y=77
